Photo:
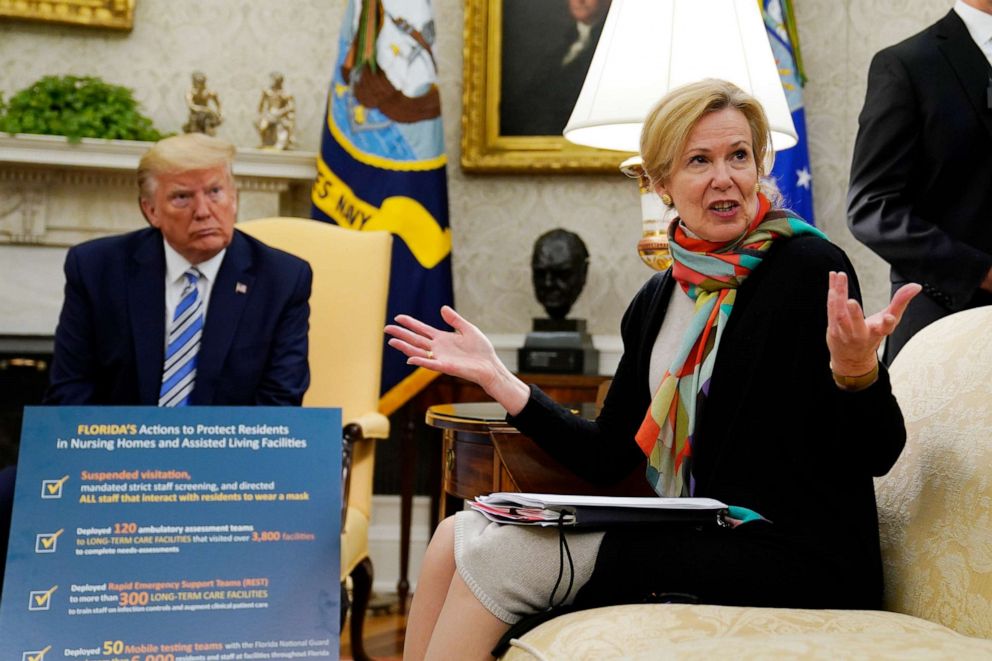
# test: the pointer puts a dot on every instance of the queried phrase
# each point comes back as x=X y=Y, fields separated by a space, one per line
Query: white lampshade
x=649 y=47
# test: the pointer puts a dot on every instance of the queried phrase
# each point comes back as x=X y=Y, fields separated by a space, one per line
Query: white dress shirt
x=979 y=26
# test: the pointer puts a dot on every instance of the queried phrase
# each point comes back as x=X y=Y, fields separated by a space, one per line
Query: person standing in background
x=921 y=179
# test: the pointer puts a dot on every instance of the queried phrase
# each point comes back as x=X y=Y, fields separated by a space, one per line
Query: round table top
x=467 y=415
x=482 y=416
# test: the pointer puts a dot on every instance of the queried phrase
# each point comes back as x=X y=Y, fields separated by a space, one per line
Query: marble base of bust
x=558 y=346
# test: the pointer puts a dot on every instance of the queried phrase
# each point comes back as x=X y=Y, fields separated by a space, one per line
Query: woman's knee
x=441 y=550
x=444 y=534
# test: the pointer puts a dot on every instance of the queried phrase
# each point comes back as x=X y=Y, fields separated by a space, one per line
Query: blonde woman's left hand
x=852 y=338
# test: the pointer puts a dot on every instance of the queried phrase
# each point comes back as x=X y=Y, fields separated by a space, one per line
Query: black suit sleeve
x=889 y=157
x=287 y=373
x=74 y=367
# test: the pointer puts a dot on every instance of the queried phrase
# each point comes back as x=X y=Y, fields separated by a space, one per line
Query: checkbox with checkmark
x=37 y=655
x=47 y=542
x=41 y=600
x=53 y=488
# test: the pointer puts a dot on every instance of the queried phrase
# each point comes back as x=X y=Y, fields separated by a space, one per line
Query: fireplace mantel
x=57 y=193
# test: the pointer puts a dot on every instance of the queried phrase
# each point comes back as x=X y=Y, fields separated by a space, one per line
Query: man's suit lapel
x=227 y=301
x=968 y=62
x=146 y=304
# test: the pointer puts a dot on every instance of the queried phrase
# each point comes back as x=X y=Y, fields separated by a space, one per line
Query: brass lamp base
x=653 y=249
x=653 y=245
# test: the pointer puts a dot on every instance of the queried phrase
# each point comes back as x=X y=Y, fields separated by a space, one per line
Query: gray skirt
x=512 y=569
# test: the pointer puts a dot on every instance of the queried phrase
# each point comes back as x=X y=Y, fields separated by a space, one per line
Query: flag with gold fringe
x=382 y=162
x=791 y=172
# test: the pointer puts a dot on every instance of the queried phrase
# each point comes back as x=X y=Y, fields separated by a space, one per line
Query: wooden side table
x=482 y=454
x=469 y=463
x=565 y=388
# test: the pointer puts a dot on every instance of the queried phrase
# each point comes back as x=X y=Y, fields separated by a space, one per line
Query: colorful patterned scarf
x=710 y=274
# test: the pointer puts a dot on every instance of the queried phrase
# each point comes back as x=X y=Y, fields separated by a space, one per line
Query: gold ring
x=430 y=355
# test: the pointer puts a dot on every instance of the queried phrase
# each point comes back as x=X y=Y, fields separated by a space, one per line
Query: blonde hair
x=667 y=127
x=190 y=151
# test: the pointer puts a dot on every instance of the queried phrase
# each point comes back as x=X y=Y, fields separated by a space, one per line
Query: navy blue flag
x=791 y=171
x=382 y=164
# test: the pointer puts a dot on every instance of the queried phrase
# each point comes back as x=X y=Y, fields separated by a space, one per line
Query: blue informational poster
x=186 y=534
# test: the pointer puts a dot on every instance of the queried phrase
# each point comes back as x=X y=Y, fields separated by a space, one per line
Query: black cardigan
x=776 y=436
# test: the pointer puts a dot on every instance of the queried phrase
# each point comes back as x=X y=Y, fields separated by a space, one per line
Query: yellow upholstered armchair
x=347 y=314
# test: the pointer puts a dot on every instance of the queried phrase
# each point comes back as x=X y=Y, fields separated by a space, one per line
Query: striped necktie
x=179 y=370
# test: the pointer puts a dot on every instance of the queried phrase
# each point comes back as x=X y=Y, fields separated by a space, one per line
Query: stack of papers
x=544 y=509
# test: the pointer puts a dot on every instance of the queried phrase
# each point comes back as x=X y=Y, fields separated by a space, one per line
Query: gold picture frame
x=484 y=149
x=113 y=14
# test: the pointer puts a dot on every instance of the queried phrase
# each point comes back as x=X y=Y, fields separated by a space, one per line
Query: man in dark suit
x=921 y=178
x=189 y=310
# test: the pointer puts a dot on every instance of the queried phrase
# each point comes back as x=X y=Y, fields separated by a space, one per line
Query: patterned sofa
x=935 y=509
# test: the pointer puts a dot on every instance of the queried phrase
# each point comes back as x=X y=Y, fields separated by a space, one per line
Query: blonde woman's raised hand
x=464 y=352
x=852 y=338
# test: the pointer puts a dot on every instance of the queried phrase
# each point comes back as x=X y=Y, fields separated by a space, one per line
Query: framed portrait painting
x=525 y=62
x=113 y=14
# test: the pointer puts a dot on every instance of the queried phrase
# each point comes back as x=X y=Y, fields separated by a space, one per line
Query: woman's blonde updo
x=669 y=123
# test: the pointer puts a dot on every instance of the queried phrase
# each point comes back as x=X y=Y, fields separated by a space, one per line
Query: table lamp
x=649 y=47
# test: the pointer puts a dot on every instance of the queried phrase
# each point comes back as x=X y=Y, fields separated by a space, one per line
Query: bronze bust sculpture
x=558 y=268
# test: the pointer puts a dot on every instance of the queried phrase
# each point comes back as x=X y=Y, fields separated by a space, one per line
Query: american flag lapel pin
x=241 y=288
